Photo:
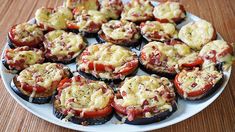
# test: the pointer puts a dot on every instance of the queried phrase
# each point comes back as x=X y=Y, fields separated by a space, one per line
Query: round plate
x=185 y=110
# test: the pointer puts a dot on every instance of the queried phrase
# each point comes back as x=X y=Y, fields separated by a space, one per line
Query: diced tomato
x=194 y=93
x=194 y=63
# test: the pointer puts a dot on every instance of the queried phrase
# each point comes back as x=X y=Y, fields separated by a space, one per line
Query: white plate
x=185 y=110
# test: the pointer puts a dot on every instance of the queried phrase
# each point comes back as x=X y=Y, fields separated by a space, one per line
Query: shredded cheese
x=111 y=8
x=169 y=11
x=61 y=43
x=53 y=19
x=41 y=75
x=137 y=10
x=196 y=34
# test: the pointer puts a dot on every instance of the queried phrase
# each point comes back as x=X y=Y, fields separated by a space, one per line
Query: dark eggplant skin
x=128 y=43
x=15 y=86
x=83 y=33
x=151 y=71
x=14 y=71
x=39 y=100
x=207 y=94
x=92 y=77
x=156 y=118
x=83 y=121
x=10 y=44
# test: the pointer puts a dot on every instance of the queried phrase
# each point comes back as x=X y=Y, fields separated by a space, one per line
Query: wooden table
x=219 y=116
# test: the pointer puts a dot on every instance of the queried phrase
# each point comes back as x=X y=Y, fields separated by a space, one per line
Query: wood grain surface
x=218 y=117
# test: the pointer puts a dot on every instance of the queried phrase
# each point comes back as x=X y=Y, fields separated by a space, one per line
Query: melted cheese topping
x=219 y=47
x=196 y=34
x=154 y=29
x=195 y=80
x=54 y=19
x=116 y=30
x=90 y=21
x=188 y=59
x=85 y=95
x=15 y=56
x=107 y=54
x=168 y=55
x=140 y=89
x=111 y=8
x=26 y=32
x=61 y=43
x=169 y=11
x=137 y=10
x=41 y=75
x=82 y=4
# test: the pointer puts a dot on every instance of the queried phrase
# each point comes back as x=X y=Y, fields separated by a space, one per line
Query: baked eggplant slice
x=120 y=32
x=156 y=31
x=197 y=34
x=20 y=58
x=61 y=46
x=163 y=58
x=144 y=100
x=112 y=8
x=197 y=84
x=25 y=34
x=38 y=82
x=50 y=19
x=83 y=101
x=87 y=22
x=172 y=12
x=137 y=11
x=217 y=51
x=107 y=61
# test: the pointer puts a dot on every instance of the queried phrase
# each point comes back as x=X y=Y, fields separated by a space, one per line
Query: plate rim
x=85 y=128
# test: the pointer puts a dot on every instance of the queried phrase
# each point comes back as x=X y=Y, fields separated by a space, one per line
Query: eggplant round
x=4 y=62
x=156 y=118
x=151 y=71
x=101 y=38
x=82 y=121
x=38 y=100
x=207 y=94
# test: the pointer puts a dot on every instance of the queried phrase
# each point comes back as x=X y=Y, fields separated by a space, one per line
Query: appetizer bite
x=144 y=100
x=79 y=5
x=25 y=34
x=217 y=51
x=112 y=8
x=88 y=22
x=83 y=101
x=107 y=61
x=51 y=19
x=137 y=11
x=20 y=58
x=120 y=32
x=197 y=34
x=61 y=46
x=172 y=12
x=163 y=58
x=197 y=84
x=156 y=31
x=38 y=82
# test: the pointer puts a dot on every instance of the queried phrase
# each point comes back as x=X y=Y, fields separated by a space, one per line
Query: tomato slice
x=98 y=113
x=131 y=113
x=33 y=43
x=196 y=62
x=38 y=89
x=100 y=67
x=192 y=93
x=62 y=82
x=129 y=66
